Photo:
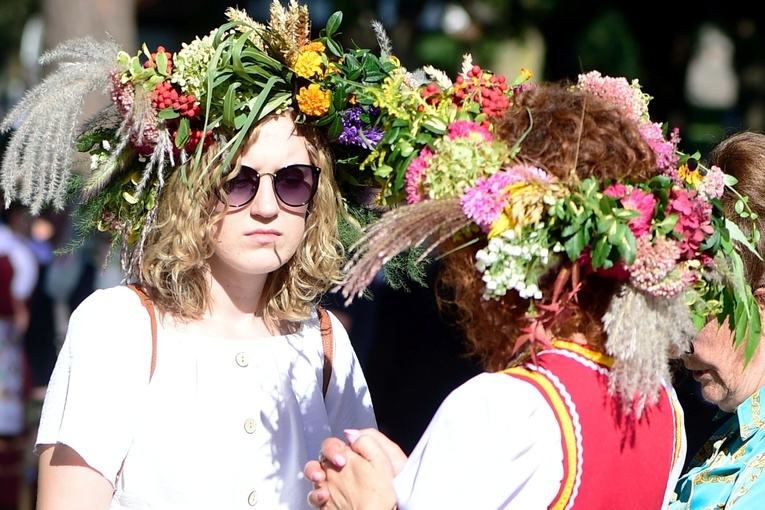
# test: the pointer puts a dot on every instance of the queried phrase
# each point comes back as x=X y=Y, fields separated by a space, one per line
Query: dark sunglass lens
x=296 y=184
x=241 y=189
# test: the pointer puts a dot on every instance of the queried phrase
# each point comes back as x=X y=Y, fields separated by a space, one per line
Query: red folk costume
x=574 y=381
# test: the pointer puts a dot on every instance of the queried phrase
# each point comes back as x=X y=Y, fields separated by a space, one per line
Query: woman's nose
x=265 y=202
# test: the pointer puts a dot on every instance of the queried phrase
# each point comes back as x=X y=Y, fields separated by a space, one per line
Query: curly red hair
x=571 y=131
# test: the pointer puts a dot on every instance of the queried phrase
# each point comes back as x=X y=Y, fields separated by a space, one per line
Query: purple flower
x=665 y=150
x=355 y=132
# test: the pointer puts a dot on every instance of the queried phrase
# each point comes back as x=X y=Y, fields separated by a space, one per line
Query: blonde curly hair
x=174 y=269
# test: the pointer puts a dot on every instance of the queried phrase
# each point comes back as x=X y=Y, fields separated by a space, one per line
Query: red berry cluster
x=152 y=62
x=167 y=96
x=486 y=89
x=195 y=136
x=431 y=94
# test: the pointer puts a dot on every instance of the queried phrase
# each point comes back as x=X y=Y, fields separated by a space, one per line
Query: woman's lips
x=264 y=236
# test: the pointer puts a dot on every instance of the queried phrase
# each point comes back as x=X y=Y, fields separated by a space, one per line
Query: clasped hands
x=357 y=475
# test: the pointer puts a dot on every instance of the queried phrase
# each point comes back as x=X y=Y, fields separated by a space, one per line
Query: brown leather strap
x=327 y=342
x=146 y=302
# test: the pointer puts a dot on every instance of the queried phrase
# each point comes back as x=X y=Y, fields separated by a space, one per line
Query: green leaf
x=575 y=244
x=755 y=330
x=168 y=113
x=334 y=47
x=737 y=235
x=161 y=63
x=182 y=136
x=336 y=129
x=333 y=23
x=711 y=242
x=229 y=104
x=600 y=253
x=606 y=224
x=667 y=224
x=627 y=246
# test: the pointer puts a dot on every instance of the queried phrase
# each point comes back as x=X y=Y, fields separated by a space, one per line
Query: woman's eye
x=239 y=184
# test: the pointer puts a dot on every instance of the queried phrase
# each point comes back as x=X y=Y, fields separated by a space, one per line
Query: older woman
x=727 y=471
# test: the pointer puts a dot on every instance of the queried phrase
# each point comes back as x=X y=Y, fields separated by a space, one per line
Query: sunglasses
x=294 y=185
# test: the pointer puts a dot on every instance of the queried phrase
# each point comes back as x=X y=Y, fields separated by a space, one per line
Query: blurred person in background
x=18 y=277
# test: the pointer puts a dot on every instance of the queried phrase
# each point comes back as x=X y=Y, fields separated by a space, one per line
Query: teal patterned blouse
x=728 y=470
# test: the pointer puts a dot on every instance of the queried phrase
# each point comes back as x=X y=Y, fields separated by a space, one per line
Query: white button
x=242 y=359
x=253 y=498
x=249 y=425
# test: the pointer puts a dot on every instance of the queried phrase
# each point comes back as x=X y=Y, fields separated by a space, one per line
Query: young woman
x=212 y=378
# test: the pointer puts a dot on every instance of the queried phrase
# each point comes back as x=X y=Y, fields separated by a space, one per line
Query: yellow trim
x=567 y=430
x=677 y=411
x=582 y=350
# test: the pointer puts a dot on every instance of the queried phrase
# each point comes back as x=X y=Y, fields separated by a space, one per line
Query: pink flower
x=714 y=182
x=466 y=128
x=484 y=202
x=644 y=203
x=655 y=269
x=665 y=150
x=415 y=174
x=617 y=91
x=638 y=200
x=693 y=224
x=617 y=190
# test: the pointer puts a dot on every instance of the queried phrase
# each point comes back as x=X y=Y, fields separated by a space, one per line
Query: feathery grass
x=39 y=157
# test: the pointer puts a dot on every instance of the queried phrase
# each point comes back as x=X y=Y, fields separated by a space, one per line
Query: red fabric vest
x=6 y=298
x=609 y=460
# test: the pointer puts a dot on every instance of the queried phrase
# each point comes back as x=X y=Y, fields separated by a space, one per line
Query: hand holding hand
x=355 y=476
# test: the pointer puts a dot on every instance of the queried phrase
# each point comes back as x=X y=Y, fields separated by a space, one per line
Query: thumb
x=396 y=457
x=369 y=447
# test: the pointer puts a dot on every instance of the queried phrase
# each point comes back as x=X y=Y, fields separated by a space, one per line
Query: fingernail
x=352 y=435
x=316 y=477
x=338 y=460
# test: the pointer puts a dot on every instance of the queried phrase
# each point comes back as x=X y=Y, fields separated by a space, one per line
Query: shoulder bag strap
x=327 y=342
x=147 y=303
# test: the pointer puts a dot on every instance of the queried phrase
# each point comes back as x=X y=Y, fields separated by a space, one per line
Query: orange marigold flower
x=308 y=64
x=316 y=46
x=314 y=101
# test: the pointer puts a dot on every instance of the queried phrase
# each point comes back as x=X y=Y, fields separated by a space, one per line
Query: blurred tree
x=66 y=19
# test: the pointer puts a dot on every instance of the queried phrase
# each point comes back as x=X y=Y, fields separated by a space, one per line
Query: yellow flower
x=526 y=73
x=314 y=101
x=526 y=207
x=692 y=177
x=500 y=225
x=308 y=64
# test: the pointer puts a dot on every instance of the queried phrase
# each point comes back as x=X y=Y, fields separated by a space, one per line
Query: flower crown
x=665 y=238
x=168 y=108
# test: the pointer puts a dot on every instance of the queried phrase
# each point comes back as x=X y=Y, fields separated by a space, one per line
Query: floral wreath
x=665 y=240
x=167 y=109
x=413 y=137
